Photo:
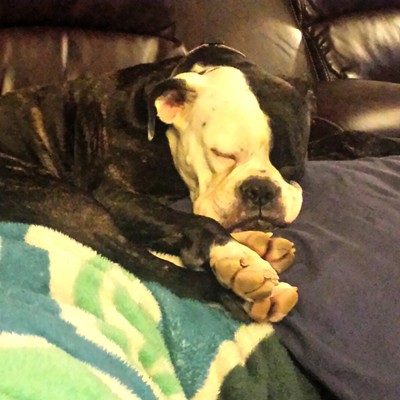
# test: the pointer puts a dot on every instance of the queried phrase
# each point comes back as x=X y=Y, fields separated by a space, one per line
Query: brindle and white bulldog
x=75 y=157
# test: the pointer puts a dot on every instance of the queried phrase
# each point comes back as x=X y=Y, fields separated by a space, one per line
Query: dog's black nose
x=258 y=191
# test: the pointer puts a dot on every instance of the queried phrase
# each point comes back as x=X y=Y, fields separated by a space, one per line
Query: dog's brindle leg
x=164 y=230
x=50 y=202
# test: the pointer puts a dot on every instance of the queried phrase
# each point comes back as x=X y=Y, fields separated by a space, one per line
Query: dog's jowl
x=76 y=157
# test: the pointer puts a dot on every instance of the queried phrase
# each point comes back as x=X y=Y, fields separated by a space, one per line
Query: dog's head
x=222 y=139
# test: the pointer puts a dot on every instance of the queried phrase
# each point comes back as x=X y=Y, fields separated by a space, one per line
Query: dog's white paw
x=241 y=269
x=279 y=252
x=274 y=308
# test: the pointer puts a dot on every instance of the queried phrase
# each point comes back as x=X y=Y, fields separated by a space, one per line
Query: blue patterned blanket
x=75 y=325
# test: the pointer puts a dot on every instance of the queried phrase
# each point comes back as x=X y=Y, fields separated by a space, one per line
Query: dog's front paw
x=241 y=269
x=274 y=308
x=279 y=252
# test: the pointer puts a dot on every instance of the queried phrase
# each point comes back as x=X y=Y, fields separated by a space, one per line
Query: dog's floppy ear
x=168 y=99
x=165 y=101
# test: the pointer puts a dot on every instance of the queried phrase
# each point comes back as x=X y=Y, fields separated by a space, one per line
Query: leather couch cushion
x=155 y=17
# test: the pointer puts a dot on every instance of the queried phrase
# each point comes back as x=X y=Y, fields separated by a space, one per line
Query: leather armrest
x=358 y=105
x=354 y=119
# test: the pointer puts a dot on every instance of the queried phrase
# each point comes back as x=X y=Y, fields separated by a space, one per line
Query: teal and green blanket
x=74 y=325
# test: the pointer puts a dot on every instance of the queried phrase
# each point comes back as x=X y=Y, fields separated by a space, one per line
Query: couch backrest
x=357 y=39
x=47 y=41
x=264 y=30
x=155 y=17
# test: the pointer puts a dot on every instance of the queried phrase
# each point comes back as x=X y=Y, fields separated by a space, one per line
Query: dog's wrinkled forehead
x=216 y=106
x=233 y=109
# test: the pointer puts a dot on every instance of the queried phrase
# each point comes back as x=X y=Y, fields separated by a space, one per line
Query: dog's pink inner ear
x=169 y=104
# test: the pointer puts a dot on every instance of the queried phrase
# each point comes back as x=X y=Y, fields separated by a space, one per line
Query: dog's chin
x=262 y=224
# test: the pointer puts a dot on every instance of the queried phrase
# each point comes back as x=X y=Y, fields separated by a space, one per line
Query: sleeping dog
x=101 y=159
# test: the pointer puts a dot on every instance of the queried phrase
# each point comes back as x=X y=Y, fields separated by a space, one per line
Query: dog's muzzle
x=260 y=205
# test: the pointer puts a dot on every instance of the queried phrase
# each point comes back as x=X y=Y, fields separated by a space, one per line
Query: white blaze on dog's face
x=220 y=142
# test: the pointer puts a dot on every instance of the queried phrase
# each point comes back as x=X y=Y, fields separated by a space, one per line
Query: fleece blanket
x=75 y=325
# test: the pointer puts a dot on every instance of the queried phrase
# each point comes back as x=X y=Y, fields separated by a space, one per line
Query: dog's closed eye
x=221 y=154
x=223 y=161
